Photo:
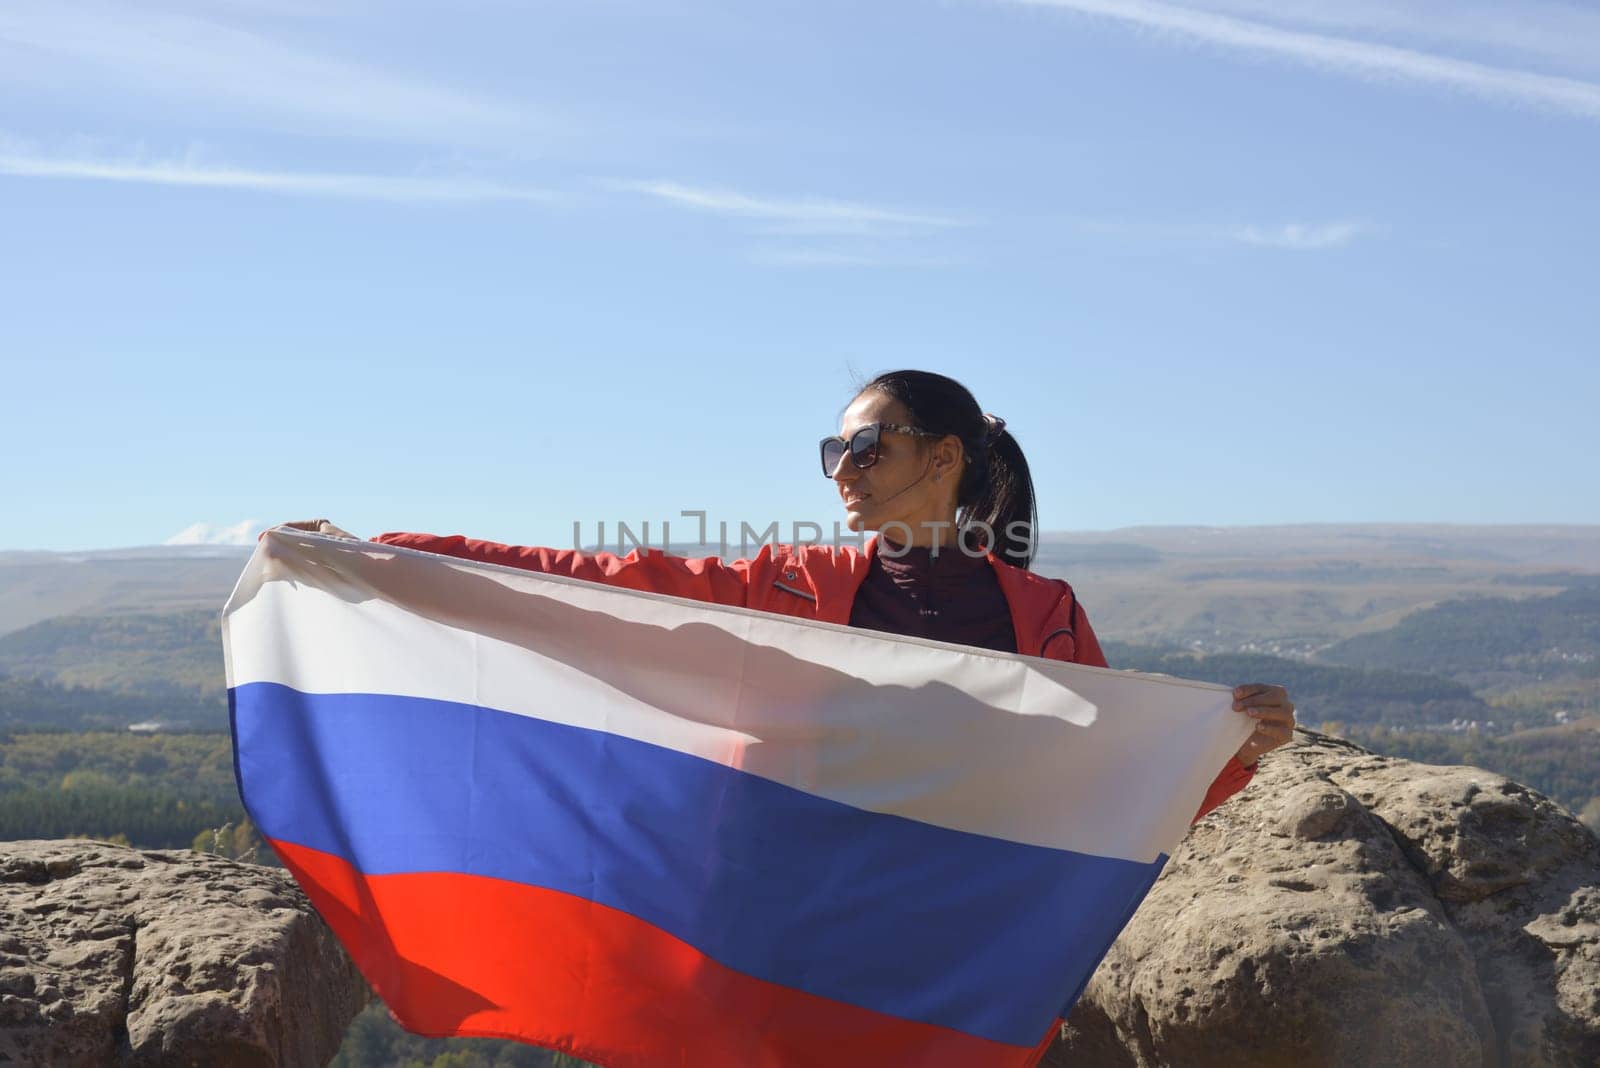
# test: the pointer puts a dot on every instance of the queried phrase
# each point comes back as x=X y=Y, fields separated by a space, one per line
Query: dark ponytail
x=995 y=496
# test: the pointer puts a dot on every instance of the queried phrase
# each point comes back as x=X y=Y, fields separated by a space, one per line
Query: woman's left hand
x=1273 y=712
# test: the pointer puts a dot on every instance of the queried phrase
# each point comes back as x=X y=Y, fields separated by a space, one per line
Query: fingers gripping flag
x=650 y=831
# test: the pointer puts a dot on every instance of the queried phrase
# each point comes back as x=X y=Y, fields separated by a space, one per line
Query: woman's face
x=913 y=482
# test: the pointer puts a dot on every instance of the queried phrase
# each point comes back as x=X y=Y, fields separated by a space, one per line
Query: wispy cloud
x=1293 y=236
x=1548 y=32
x=1345 y=55
x=1305 y=236
x=356 y=186
x=821 y=257
x=207 y=67
x=803 y=215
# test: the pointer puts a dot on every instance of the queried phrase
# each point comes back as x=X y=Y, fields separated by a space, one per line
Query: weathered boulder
x=1346 y=909
x=115 y=956
x=1352 y=909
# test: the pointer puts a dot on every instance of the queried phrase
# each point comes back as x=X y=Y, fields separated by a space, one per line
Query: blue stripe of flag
x=946 y=927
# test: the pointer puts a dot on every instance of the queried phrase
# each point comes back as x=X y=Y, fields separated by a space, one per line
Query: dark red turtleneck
x=948 y=596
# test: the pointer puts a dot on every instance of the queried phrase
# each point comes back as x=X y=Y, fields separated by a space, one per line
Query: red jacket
x=810 y=582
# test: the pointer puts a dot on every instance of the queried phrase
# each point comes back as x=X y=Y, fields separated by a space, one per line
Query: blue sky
x=495 y=268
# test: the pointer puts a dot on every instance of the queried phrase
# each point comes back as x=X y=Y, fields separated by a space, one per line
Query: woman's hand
x=322 y=526
x=1273 y=712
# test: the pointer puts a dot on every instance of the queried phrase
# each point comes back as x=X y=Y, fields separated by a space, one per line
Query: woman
x=948 y=491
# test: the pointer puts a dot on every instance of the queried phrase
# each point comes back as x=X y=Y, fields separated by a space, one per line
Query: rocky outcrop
x=1346 y=909
x=1352 y=909
x=115 y=956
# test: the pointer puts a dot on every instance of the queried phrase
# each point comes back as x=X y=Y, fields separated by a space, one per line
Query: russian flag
x=649 y=831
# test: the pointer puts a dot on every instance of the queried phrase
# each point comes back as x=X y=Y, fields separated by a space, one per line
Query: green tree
x=461 y=1058
x=86 y=779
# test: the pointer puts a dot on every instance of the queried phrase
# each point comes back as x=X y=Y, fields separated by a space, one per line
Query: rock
x=115 y=956
x=1352 y=909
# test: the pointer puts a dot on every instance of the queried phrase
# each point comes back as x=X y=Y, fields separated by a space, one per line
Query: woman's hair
x=995 y=495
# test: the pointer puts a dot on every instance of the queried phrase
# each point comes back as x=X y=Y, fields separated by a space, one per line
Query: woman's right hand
x=320 y=526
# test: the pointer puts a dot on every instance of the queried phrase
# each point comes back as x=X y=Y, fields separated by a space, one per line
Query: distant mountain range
x=1547 y=546
x=1284 y=589
x=35 y=586
x=1296 y=590
x=1409 y=639
x=1480 y=611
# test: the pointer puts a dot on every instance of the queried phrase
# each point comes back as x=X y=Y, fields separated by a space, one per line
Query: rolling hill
x=35 y=586
x=1488 y=640
x=1373 y=623
x=173 y=655
x=1472 y=645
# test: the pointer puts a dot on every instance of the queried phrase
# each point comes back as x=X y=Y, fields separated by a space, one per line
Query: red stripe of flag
x=466 y=955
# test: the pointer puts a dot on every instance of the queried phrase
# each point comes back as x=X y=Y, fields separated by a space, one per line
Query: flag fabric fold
x=651 y=831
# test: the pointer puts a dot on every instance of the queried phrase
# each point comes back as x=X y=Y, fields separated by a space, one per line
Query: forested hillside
x=1322 y=692
x=1561 y=762
x=1420 y=717
x=31 y=703
x=171 y=654
x=150 y=790
x=1488 y=640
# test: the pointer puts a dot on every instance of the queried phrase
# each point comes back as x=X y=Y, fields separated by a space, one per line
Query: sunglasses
x=862 y=446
